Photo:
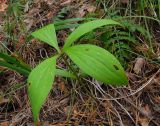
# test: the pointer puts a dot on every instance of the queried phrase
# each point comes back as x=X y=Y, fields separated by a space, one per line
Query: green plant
x=14 y=63
x=14 y=27
x=92 y=60
x=121 y=41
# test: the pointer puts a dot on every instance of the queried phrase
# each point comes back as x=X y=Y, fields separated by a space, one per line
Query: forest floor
x=137 y=104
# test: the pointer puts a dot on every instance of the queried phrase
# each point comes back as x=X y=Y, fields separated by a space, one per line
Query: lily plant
x=94 y=61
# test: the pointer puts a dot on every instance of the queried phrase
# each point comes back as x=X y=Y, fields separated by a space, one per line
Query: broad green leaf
x=48 y=35
x=64 y=73
x=98 y=63
x=85 y=28
x=40 y=83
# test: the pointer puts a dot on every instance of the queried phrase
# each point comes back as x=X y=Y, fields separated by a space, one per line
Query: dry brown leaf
x=20 y=42
x=3 y=6
x=91 y=9
x=49 y=2
x=46 y=123
x=62 y=86
x=146 y=110
x=36 y=1
x=2 y=68
x=142 y=48
x=140 y=62
x=81 y=13
x=38 y=123
x=4 y=123
x=76 y=113
x=64 y=101
x=3 y=100
x=124 y=1
x=157 y=78
x=26 y=7
x=131 y=76
x=66 y=2
x=67 y=109
x=144 y=121
x=29 y=23
x=58 y=125
x=157 y=99
x=84 y=9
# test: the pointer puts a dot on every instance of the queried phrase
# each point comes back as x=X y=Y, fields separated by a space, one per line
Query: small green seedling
x=92 y=60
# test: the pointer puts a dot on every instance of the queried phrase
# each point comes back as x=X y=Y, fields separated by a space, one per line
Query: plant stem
x=74 y=72
x=70 y=67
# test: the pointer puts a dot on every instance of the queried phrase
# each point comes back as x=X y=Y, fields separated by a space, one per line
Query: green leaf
x=69 y=23
x=13 y=67
x=64 y=73
x=48 y=35
x=85 y=28
x=66 y=26
x=40 y=83
x=98 y=63
x=7 y=58
x=15 y=61
x=71 y=20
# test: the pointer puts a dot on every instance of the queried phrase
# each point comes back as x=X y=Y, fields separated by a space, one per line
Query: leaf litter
x=136 y=104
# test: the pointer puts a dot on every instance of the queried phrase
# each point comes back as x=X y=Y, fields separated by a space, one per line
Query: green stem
x=74 y=72
x=70 y=67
